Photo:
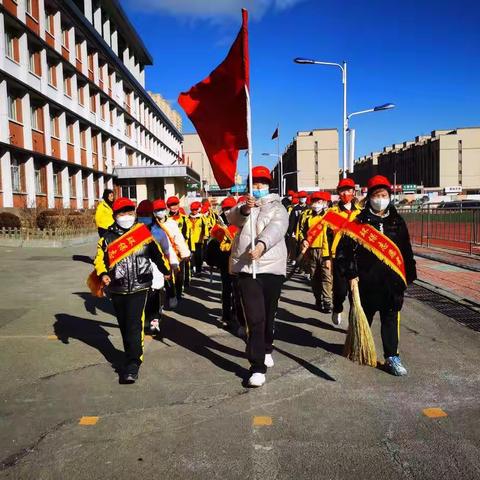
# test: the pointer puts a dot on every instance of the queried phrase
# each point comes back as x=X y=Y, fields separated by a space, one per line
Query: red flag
x=217 y=107
x=275 y=134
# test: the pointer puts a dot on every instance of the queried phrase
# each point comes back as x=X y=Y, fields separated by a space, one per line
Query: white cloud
x=212 y=9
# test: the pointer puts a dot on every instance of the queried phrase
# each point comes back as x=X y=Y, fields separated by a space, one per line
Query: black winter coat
x=133 y=273
x=376 y=278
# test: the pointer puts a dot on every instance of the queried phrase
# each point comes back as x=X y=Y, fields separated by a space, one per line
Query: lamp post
x=283 y=178
x=343 y=68
x=280 y=168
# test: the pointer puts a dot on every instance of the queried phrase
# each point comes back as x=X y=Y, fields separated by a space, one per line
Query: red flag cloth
x=217 y=107
x=275 y=134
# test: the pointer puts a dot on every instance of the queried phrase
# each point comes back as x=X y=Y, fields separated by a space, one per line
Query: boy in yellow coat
x=198 y=234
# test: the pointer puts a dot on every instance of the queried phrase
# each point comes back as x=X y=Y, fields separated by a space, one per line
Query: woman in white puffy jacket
x=270 y=219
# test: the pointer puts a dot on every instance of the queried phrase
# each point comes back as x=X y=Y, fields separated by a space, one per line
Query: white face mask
x=318 y=207
x=303 y=200
x=160 y=213
x=126 y=221
x=379 y=204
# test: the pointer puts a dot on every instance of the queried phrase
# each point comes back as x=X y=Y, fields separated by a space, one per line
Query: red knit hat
x=122 y=203
x=195 y=206
x=261 y=173
x=229 y=202
x=346 y=183
x=378 y=181
x=145 y=208
x=172 y=201
x=316 y=196
x=290 y=193
x=327 y=196
x=159 y=204
x=302 y=193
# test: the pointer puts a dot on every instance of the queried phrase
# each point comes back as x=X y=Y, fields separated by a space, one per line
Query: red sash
x=314 y=232
x=128 y=243
x=371 y=239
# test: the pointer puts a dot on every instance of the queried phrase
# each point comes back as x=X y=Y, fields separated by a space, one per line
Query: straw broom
x=359 y=345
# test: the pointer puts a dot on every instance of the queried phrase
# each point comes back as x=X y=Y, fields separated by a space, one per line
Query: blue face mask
x=145 y=220
x=260 y=193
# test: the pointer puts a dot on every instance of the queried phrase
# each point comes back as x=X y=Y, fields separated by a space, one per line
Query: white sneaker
x=336 y=318
x=269 y=363
x=155 y=325
x=256 y=380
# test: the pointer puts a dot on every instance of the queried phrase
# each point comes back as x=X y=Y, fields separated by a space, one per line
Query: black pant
x=339 y=288
x=379 y=301
x=129 y=310
x=227 y=296
x=260 y=301
x=237 y=300
x=152 y=308
x=175 y=288
x=198 y=257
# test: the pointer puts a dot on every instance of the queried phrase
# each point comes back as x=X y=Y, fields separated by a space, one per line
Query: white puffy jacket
x=270 y=219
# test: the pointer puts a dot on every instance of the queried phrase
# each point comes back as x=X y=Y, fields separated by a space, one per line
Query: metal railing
x=456 y=229
x=26 y=233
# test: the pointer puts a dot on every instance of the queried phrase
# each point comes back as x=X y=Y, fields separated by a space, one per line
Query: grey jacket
x=270 y=221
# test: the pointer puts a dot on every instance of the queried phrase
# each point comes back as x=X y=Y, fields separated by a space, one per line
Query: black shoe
x=326 y=308
x=130 y=378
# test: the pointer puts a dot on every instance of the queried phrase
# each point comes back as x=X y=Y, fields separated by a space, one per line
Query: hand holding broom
x=359 y=344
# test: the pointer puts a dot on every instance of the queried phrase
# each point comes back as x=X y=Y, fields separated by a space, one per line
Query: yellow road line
x=262 y=421
x=88 y=420
x=434 y=413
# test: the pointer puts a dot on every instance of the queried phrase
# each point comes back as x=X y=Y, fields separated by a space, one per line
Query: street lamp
x=343 y=68
x=283 y=178
x=280 y=176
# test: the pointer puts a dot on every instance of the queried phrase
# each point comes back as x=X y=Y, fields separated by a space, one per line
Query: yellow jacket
x=199 y=230
x=321 y=242
x=103 y=215
x=350 y=214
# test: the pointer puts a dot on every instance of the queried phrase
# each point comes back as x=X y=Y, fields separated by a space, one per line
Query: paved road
x=189 y=417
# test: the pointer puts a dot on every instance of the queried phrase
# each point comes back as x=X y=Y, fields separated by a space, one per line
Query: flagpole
x=250 y=178
x=280 y=163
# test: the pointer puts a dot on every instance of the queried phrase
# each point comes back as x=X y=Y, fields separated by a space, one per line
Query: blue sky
x=422 y=55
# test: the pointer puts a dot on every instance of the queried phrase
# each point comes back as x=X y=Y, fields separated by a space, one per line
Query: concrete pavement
x=189 y=417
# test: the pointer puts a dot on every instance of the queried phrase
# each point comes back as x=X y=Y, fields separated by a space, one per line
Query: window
x=70 y=133
x=83 y=139
x=34 y=64
x=65 y=41
x=52 y=74
x=12 y=108
x=78 y=51
x=51 y=23
x=90 y=62
x=81 y=95
x=93 y=108
x=129 y=190
x=104 y=110
x=67 y=86
x=71 y=182
x=40 y=180
x=31 y=7
x=57 y=182
x=16 y=172
x=36 y=118
x=54 y=126
x=11 y=45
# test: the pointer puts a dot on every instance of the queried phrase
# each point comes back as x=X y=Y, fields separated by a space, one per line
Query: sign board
x=213 y=188
x=409 y=188
x=454 y=189
x=241 y=188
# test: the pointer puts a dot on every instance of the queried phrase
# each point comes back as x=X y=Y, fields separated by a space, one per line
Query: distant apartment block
x=445 y=158
x=167 y=109
x=73 y=107
x=314 y=154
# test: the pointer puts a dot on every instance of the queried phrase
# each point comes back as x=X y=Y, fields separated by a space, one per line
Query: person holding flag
x=261 y=270
x=347 y=208
x=375 y=251
x=315 y=246
x=123 y=264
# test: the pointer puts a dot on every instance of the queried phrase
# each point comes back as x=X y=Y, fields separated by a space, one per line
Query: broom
x=359 y=345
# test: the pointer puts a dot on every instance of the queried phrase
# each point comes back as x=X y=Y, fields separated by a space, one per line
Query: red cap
x=302 y=193
x=159 y=204
x=172 y=201
x=195 y=206
x=378 y=181
x=205 y=208
x=261 y=173
x=242 y=199
x=346 y=183
x=145 y=207
x=316 y=196
x=327 y=196
x=122 y=203
x=206 y=202
x=295 y=200
x=229 y=202
x=290 y=193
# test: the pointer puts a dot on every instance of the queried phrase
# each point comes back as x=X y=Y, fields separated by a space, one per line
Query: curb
x=439 y=259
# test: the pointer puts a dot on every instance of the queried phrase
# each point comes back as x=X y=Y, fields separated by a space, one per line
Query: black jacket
x=134 y=272
x=295 y=213
x=353 y=260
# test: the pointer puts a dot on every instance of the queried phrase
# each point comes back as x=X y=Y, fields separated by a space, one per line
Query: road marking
x=262 y=421
x=88 y=420
x=434 y=413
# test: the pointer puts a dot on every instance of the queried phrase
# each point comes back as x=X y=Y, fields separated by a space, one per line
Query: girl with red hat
x=123 y=263
x=198 y=234
x=383 y=267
